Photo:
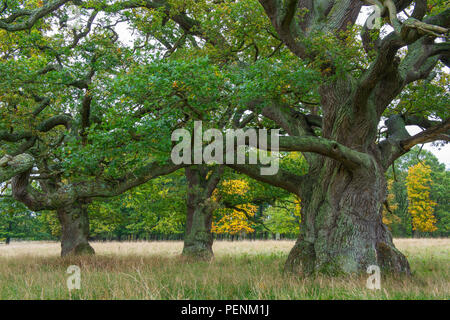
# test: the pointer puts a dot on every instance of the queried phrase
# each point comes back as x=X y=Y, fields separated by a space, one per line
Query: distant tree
x=12 y=221
x=284 y=216
x=389 y=217
x=439 y=192
x=420 y=205
x=17 y=222
x=155 y=207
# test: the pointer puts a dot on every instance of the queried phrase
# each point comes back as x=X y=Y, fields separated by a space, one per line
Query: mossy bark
x=74 y=230
x=198 y=239
x=12 y=166
x=342 y=230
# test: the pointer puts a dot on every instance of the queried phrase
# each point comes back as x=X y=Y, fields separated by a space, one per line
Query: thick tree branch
x=350 y=158
x=35 y=200
x=33 y=16
x=437 y=132
x=410 y=32
x=420 y=121
x=420 y=9
x=281 y=17
x=52 y=122
x=283 y=179
x=14 y=137
x=293 y=122
x=288 y=14
x=12 y=166
x=110 y=188
x=399 y=141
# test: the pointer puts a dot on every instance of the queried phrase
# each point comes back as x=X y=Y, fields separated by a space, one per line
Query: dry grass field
x=240 y=270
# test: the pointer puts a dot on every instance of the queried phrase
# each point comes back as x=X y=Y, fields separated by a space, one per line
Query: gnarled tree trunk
x=74 y=230
x=343 y=194
x=344 y=191
x=12 y=166
x=198 y=239
x=342 y=229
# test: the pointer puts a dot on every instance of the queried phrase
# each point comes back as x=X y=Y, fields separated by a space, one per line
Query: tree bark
x=342 y=230
x=12 y=166
x=198 y=239
x=74 y=230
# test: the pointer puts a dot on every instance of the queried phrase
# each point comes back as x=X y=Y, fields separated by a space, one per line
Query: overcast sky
x=443 y=154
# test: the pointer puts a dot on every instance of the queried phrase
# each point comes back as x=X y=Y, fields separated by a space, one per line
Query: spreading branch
x=12 y=166
x=399 y=141
x=9 y=23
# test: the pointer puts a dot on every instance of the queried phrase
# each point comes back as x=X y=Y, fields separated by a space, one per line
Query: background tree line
x=417 y=206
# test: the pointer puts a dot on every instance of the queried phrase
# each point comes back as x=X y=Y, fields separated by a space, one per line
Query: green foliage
x=438 y=193
x=155 y=207
x=284 y=216
x=428 y=98
x=17 y=222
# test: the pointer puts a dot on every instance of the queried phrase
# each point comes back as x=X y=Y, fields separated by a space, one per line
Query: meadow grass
x=240 y=270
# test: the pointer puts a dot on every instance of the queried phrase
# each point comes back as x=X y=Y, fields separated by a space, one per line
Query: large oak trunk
x=74 y=230
x=342 y=230
x=198 y=239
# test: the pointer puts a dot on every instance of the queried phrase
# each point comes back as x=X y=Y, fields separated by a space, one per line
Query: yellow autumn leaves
x=420 y=206
x=388 y=216
x=234 y=220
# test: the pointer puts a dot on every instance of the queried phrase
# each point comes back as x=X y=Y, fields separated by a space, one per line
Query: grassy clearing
x=241 y=270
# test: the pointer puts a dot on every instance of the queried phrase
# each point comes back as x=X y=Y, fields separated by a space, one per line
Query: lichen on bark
x=198 y=239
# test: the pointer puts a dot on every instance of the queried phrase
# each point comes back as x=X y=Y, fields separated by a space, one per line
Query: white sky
x=443 y=154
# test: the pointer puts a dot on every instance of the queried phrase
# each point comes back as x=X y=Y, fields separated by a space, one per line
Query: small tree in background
x=420 y=206
x=390 y=206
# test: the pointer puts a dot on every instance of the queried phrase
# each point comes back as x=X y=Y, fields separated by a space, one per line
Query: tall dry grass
x=240 y=270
